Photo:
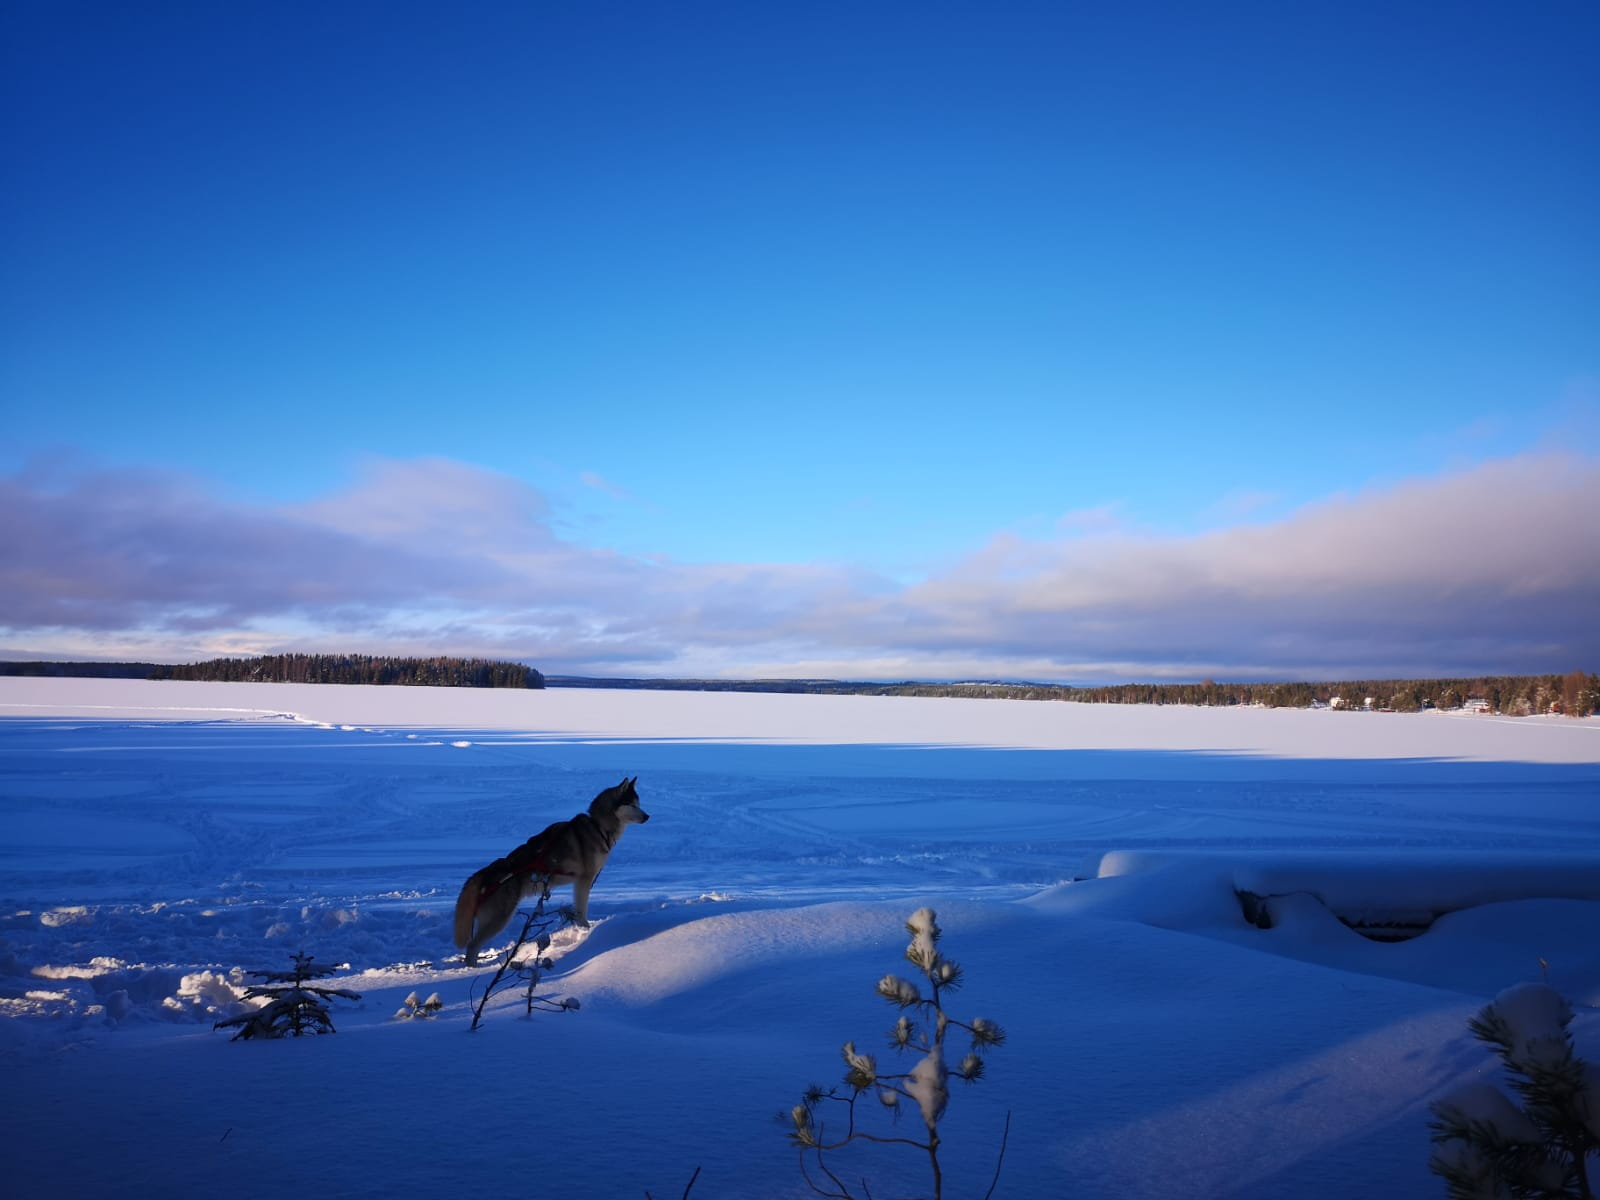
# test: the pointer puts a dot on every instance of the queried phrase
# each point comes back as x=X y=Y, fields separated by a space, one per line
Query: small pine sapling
x=294 y=1006
x=922 y=1029
x=1487 y=1145
x=416 y=1009
x=536 y=926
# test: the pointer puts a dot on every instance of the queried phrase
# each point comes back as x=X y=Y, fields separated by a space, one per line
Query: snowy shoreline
x=833 y=720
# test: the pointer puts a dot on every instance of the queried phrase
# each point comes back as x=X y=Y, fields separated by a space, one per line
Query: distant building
x=1476 y=704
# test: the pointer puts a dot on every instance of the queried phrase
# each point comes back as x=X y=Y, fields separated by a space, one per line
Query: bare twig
x=999 y=1162
x=535 y=921
x=842 y=1194
x=687 y=1189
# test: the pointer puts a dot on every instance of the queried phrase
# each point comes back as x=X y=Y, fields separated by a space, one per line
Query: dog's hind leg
x=494 y=913
x=467 y=905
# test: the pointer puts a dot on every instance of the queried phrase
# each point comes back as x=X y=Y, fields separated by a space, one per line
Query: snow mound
x=207 y=995
x=671 y=957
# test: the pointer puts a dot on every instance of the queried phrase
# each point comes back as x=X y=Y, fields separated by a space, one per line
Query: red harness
x=529 y=858
x=525 y=861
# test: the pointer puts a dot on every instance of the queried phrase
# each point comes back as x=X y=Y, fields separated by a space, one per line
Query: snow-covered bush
x=414 y=1007
x=1487 y=1146
x=921 y=1029
x=293 y=1004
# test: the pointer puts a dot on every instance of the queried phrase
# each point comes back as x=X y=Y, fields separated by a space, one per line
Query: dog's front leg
x=580 y=899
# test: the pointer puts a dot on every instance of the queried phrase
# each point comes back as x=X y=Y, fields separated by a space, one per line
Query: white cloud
x=434 y=500
x=1492 y=569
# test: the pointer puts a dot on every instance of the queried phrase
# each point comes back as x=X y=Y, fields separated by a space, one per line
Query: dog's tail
x=467 y=904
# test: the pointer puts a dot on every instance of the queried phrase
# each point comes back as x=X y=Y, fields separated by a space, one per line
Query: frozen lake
x=160 y=834
x=126 y=792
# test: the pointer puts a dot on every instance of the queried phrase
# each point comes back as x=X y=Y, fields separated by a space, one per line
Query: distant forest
x=360 y=668
x=1576 y=693
x=80 y=670
x=308 y=668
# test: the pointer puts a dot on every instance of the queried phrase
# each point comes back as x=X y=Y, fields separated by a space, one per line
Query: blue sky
x=804 y=339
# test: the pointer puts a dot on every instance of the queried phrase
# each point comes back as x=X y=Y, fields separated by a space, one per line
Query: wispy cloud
x=1241 y=504
x=1102 y=518
x=1492 y=569
x=600 y=483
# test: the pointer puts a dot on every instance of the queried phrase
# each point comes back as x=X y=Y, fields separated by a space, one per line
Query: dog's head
x=621 y=802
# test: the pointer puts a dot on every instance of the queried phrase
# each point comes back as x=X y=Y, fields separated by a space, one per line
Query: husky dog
x=567 y=852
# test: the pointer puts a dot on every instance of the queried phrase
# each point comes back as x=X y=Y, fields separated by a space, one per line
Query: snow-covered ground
x=159 y=837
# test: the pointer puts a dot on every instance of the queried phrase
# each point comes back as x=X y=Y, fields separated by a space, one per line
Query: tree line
x=1576 y=693
x=79 y=670
x=438 y=671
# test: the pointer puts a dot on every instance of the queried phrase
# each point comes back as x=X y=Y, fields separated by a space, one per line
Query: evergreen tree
x=1487 y=1146
x=294 y=1005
